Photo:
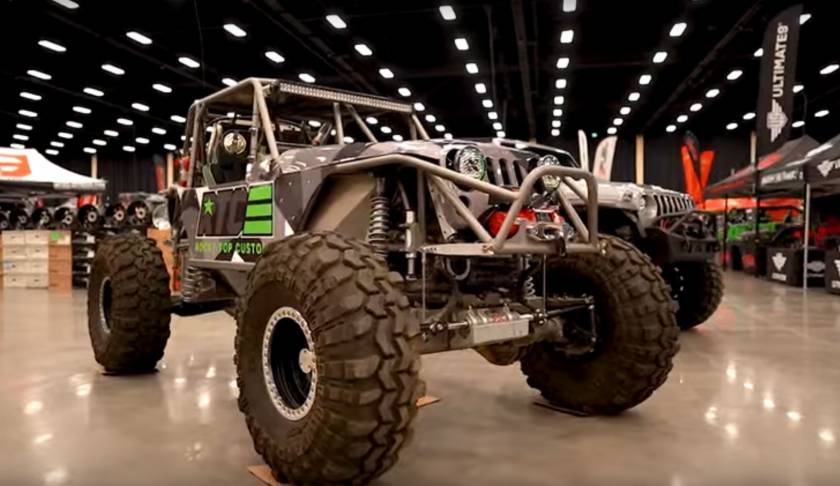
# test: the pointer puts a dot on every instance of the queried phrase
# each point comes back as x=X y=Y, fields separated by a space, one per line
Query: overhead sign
x=14 y=165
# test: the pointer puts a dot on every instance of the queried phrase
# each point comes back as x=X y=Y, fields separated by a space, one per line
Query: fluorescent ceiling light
x=696 y=107
x=734 y=74
x=472 y=67
x=671 y=128
x=100 y=142
x=645 y=79
x=567 y=36
x=189 y=62
x=349 y=139
x=419 y=107
x=65 y=135
x=447 y=12
x=748 y=116
x=660 y=57
x=46 y=44
x=30 y=96
x=555 y=133
x=557 y=112
x=732 y=126
x=142 y=140
x=798 y=88
x=682 y=118
x=17 y=146
x=57 y=144
x=712 y=93
x=678 y=29
x=492 y=115
x=23 y=126
x=821 y=113
x=634 y=96
x=235 y=30
x=804 y=18
x=625 y=110
x=612 y=130
x=559 y=100
x=440 y=128
x=798 y=124
x=111 y=133
x=20 y=137
x=125 y=122
x=229 y=81
x=447 y=136
x=569 y=5
x=829 y=69
x=138 y=38
x=129 y=148
x=397 y=137
x=556 y=123
x=94 y=92
x=52 y=151
x=461 y=44
x=158 y=131
x=274 y=57
x=618 y=121
x=113 y=69
x=386 y=73
x=561 y=83
x=314 y=123
x=480 y=88
x=336 y=21
x=431 y=118
x=70 y=4
x=140 y=107
x=169 y=146
x=497 y=126
x=758 y=52
x=385 y=130
x=371 y=120
x=306 y=78
x=89 y=150
x=562 y=63
x=501 y=134
x=404 y=92
x=178 y=119
x=363 y=49
x=82 y=109
x=39 y=74
x=28 y=113
x=487 y=103
x=162 y=88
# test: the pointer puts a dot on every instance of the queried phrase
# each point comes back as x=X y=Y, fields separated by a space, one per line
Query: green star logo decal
x=208 y=206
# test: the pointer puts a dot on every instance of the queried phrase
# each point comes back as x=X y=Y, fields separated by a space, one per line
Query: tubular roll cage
x=259 y=88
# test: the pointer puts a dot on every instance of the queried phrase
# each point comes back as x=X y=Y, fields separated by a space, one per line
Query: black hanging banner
x=778 y=74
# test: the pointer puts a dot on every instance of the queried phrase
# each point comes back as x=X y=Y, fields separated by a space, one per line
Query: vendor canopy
x=822 y=170
x=742 y=183
x=788 y=178
x=26 y=172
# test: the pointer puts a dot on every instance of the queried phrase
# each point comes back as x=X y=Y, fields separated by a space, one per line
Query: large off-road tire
x=698 y=289
x=636 y=334
x=128 y=304
x=326 y=360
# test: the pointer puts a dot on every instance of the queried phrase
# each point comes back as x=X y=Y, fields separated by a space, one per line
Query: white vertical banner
x=583 y=150
x=604 y=155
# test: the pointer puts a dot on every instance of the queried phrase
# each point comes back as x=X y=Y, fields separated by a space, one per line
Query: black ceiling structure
x=514 y=45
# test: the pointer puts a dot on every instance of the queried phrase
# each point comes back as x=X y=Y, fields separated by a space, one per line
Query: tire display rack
x=85 y=243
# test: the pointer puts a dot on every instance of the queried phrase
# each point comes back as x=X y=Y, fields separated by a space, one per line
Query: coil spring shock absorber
x=378 y=226
x=528 y=289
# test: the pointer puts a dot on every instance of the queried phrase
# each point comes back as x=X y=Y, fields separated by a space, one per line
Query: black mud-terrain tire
x=128 y=304
x=698 y=290
x=637 y=334
x=365 y=341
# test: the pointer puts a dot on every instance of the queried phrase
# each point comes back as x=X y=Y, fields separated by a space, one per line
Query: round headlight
x=234 y=143
x=471 y=162
x=550 y=182
x=649 y=208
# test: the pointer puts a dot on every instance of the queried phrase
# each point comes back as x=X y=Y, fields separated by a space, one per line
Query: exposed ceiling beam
x=524 y=65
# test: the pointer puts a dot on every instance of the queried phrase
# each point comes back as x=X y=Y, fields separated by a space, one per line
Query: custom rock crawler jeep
x=345 y=261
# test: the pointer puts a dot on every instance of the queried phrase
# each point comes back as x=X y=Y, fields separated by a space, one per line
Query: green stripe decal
x=262 y=227
x=258 y=210
x=260 y=193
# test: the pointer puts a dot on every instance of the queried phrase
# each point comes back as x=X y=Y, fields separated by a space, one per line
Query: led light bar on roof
x=363 y=49
x=138 y=38
x=567 y=36
x=30 y=96
x=678 y=29
x=189 y=62
x=94 y=92
x=69 y=4
x=235 y=30
x=336 y=21
x=274 y=57
x=113 y=69
x=447 y=12
x=55 y=47
x=343 y=97
x=39 y=74
x=461 y=44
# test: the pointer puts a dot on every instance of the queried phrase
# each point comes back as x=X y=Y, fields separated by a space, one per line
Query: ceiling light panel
x=39 y=74
x=678 y=29
x=162 y=88
x=139 y=38
x=461 y=44
x=94 y=92
x=336 y=21
x=660 y=57
x=567 y=36
x=363 y=49
x=53 y=46
x=115 y=70
x=189 y=62
x=447 y=12
x=274 y=57
x=235 y=30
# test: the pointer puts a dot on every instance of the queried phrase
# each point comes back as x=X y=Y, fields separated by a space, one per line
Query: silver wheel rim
x=305 y=359
x=103 y=315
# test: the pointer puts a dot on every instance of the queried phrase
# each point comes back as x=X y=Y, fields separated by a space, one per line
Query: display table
x=752 y=260
x=832 y=271
x=784 y=265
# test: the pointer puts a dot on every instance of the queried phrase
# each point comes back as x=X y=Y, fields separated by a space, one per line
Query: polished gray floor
x=754 y=399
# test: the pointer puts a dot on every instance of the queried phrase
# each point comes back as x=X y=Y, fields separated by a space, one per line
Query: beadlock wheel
x=288 y=363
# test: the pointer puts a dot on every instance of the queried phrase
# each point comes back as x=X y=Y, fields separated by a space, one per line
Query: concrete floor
x=754 y=399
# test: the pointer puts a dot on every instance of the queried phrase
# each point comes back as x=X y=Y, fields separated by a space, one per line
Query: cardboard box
x=60 y=238
x=37 y=281
x=37 y=252
x=16 y=252
x=14 y=281
x=15 y=267
x=36 y=237
x=12 y=238
x=61 y=253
